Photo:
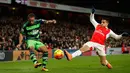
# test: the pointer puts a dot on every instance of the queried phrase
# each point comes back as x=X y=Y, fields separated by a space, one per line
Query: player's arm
x=114 y=35
x=20 y=37
x=92 y=19
x=20 y=40
x=49 y=21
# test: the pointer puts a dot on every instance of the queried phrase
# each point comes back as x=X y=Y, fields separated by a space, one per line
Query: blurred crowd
x=9 y=32
x=118 y=43
x=63 y=35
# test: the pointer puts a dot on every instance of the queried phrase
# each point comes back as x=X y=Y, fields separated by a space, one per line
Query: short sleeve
x=22 y=31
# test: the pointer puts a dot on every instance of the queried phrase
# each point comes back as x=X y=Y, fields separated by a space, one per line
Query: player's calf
x=34 y=59
x=106 y=63
x=103 y=60
x=44 y=50
x=35 y=62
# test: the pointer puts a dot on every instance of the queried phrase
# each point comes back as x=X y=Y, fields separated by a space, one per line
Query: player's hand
x=93 y=10
x=51 y=21
x=125 y=34
x=18 y=46
x=54 y=21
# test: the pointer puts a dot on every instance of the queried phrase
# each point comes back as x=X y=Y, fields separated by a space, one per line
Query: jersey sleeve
x=93 y=21
x=41 y=21
x=112 y=34
x=22 y=31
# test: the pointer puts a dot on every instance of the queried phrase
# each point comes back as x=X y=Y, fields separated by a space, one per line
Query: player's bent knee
x=102 y=54
x=31 y=48
x=43 y=49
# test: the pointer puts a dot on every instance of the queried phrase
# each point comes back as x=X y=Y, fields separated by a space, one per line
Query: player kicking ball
x=97 y=42
x=31 y=29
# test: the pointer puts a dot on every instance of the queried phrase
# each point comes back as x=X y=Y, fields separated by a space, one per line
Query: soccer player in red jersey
x=97 y=42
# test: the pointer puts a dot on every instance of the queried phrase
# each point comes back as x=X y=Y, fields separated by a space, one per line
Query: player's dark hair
x=107 y=19
x=31 y=15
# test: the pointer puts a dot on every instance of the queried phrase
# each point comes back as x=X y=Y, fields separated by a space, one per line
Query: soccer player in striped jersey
x=31 y=29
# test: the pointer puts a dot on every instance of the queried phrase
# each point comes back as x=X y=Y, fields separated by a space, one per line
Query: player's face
x=31 y=19
x=104 y=23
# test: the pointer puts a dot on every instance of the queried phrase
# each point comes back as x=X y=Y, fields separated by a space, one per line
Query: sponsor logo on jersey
x=33 y=32
x=33 y=27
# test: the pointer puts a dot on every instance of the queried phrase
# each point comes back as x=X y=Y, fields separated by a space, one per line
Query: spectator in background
x=2 y=43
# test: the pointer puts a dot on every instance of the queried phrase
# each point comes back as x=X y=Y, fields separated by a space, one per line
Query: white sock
x=76 y=53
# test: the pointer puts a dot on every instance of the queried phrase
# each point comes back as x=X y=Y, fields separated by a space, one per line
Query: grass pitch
x=87 y=64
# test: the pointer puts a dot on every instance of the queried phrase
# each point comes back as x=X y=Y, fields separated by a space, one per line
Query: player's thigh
x=87 y=47
x=101 y=53
x=30 y=44
x=100 y=50
x=41 y=47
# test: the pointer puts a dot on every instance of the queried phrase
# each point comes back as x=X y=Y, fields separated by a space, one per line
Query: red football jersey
x=100 y=34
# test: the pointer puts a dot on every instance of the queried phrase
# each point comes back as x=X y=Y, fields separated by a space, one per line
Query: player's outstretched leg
x=76 y=53
x=33 y=58
x=104 y=62
x=44 y=50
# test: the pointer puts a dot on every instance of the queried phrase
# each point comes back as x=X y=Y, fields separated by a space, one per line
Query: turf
x=89 y=64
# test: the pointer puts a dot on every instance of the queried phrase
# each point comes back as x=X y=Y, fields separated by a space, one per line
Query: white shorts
x=98 y=47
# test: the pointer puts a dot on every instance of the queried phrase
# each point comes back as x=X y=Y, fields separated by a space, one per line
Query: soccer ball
x=58 y=54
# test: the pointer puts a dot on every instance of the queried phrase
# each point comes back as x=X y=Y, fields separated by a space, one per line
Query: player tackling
x=31 y=29
x=97 y=42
